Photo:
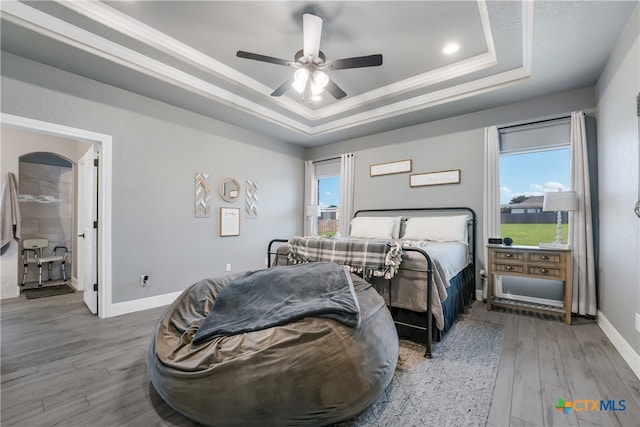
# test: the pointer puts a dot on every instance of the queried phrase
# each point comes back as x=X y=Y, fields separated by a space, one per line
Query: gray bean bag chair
x=312 y=371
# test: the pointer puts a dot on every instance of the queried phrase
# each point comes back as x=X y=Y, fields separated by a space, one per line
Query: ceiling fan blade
x=263 y=58
x=356 y=62
x=335 y=90
x=311 y=33
x=282 y=88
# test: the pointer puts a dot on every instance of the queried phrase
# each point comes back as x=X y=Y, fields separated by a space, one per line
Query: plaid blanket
x=372 y=258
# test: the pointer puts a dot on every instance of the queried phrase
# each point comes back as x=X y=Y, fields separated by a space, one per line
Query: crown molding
x=64 y=32
x=71 y=35
x=130 y=27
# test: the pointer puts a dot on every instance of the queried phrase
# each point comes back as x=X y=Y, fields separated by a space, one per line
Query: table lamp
x=559 y=201
x=312 y=210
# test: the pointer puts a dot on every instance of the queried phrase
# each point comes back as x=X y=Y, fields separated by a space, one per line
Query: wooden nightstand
x=530 y=261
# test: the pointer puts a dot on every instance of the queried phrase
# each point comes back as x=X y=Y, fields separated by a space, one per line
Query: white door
x=87 y=233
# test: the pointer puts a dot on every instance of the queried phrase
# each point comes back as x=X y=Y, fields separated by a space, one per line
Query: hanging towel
x=10 y=212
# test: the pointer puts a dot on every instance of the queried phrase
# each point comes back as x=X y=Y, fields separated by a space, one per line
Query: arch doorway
x=47 y=208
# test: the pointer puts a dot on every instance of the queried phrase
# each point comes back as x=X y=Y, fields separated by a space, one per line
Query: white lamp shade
x=312 y=210
x=560 y=201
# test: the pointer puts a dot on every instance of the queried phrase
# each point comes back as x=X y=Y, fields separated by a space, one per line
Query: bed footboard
x=272 y=259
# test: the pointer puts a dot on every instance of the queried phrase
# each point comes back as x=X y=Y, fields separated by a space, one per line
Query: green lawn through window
x=532 y=234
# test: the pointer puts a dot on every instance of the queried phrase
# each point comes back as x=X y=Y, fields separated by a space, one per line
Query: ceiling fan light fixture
x=301 y=75
x=320 y=78
x=316 y=89
x=309 y=80
x=298 y=85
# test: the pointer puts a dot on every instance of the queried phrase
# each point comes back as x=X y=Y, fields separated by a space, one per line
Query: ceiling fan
x=310 y=62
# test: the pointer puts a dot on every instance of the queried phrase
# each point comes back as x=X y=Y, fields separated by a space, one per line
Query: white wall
x=618 y=162
x=157 y=149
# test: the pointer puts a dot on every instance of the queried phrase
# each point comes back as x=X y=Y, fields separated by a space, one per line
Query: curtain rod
x=326 y=160
x=534 y=122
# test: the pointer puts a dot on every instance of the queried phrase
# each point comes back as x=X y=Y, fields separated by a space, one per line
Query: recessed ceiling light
x=451 y=48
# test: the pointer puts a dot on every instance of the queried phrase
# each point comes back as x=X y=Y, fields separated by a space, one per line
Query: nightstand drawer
x=544 y=271
x=509 y=268
x=509 y=255
x=539 y=257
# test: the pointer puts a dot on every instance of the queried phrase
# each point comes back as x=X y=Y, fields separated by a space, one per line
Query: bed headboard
x=406 y=213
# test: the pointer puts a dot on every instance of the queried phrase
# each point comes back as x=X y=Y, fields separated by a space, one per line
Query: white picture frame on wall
x=229 y=222
x=400 y=166
x=435 y=178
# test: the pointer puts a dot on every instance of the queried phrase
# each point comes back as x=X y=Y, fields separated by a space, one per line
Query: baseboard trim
x=626 y=351
x=141 y=304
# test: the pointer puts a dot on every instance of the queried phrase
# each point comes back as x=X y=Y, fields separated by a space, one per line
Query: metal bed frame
x=429 y=269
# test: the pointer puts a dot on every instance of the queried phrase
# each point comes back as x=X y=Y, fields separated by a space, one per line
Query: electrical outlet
x=144 y=280
x=637 y=322
x=228 y=267
x=266 y=262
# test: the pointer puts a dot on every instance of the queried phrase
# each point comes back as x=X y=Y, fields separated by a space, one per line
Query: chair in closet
x=33 y=253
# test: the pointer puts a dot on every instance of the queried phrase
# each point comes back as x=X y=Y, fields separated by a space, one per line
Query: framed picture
x=390 y=168
x=229 y=222
x=435 y=178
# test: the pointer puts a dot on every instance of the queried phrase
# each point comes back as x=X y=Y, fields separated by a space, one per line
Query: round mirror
x=229 y=189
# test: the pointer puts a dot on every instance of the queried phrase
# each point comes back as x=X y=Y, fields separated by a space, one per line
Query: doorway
x=101 y=263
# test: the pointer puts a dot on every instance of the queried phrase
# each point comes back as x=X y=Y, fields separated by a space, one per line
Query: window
x=329 y=202
x=328 y=182
x=534 y=159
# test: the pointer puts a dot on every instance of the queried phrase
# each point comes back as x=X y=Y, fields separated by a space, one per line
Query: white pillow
x=437 y=229
x=369 y=227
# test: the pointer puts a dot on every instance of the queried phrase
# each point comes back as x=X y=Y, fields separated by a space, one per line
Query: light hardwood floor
x=62 y=366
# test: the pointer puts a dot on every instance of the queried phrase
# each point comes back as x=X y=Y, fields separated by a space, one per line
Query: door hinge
x=95 y=162
x=95 y=287
x=95 y=224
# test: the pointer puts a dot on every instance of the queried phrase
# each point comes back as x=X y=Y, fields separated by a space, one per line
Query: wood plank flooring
x=61 y=366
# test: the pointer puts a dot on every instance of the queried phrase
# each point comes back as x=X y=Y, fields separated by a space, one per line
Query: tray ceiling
x=184 y=53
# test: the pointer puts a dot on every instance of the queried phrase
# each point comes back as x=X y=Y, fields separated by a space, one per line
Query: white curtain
x=491 y=205
x=347 y=176
x=310 y=197
x=580 y=224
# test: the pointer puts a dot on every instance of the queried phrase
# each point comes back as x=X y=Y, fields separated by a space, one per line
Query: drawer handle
x=508 y=268
x=508 y=255
x=544 y=271
x=544 y=257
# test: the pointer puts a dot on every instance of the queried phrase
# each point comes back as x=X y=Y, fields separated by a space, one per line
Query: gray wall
x=156 y=151
x=454 y=143
x=618 y=180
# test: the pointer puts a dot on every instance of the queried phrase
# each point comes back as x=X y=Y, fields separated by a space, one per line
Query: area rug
x=47 y=291
x=454 y=388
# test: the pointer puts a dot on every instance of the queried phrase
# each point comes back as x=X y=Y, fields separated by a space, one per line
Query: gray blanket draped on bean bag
x=313 y=371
